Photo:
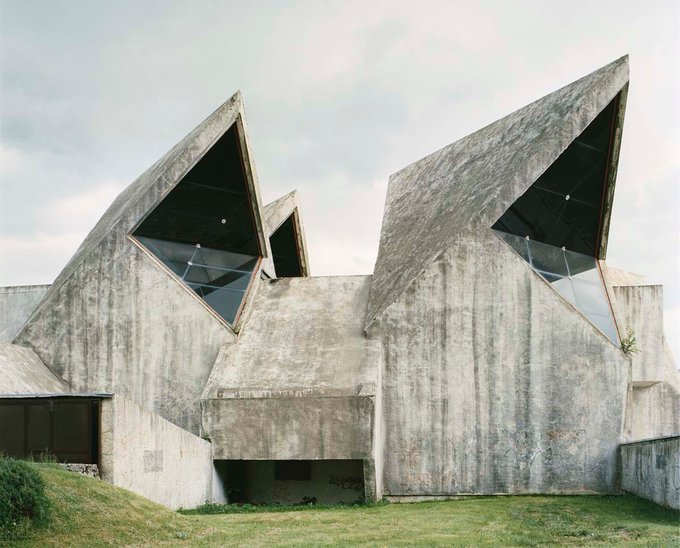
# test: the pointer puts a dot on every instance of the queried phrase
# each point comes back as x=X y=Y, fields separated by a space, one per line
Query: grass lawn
x=89 y=512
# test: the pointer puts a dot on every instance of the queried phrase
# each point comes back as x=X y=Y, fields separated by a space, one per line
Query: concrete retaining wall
x=152 y=457
x=651 y=469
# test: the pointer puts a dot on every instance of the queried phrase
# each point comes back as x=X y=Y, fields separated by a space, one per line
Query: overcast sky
x=338 y=96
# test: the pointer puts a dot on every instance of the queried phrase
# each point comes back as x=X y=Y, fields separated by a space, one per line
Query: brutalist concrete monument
x=186 y=341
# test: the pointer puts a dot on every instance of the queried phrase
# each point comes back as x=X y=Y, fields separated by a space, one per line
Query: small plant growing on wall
x=629 y=343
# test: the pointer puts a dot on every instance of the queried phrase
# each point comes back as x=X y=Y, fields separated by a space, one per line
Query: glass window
x=204 y=229
x=584 y=289
x=554 y=225
x=562 y=208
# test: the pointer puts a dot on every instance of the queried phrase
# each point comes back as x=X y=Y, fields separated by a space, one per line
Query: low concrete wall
x=651 y=469
x=152 y=457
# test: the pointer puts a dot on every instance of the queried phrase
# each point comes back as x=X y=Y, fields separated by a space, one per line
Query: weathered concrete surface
x=653 y=411
x=16 y=305
x=116 y=320
x=276 y=212
x=22 y=372
x=148 y=455
x=121 y=324
x=331 y=481
x=640 y=308
x=651 y=469
x=495 y=384
x=301 y=381
x=618 y=277
x=654 y=402
x=473 y=181
x=303 y=334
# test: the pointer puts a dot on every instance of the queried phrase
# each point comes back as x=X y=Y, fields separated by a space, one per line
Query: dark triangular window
x=285 y=250
x=555 y=225
x=204 y=230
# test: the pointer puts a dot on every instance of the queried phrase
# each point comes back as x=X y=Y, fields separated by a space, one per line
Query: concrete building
x=187 y=351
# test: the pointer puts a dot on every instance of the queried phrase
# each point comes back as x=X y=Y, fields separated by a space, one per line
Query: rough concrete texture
x=116 y=306
x=640 y=308
x=654 y=402
x=16 y=305
x=120 y=324
x=22 y=372
x=301 y=382
x=152 y=457
x=331 y=481
x=651 y=469
x=276 y=212
x=493 y=383
x=653 y=411
x=473 y=181
x=618 y=277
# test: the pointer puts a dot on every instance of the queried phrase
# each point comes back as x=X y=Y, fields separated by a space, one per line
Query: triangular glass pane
x=555 y=225
x=204 y=229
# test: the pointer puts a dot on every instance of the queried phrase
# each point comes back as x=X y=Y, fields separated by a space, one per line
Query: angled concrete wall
x=17 y=303
x=494 y=384
x=121 y=324
x=144 y=453
x=301 y=382
x=115 y=320
x=651 y=469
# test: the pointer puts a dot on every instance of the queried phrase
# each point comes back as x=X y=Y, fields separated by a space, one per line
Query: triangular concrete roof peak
x=151 y=187
x=469 y=184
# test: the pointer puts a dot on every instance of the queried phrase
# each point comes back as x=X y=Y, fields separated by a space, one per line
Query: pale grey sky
x=338 y=95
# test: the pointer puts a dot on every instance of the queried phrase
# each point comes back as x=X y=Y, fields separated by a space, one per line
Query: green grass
x=90 y=512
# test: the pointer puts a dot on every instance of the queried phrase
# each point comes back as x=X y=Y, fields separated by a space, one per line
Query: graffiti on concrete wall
x=352 y=482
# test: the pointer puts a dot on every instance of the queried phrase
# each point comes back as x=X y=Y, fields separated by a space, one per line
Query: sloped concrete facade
x=115 y=306
x=23 y=372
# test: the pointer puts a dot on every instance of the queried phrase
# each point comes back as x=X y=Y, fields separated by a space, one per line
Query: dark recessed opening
x=204 y=229
x=298 y=470
x=285 y=251
x=67 y=429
